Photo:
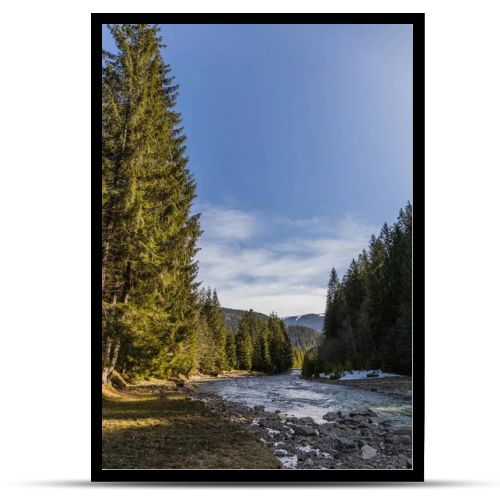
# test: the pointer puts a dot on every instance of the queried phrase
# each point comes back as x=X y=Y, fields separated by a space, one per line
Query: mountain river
x=293 y=396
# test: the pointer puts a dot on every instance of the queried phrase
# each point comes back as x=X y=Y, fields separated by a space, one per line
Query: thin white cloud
x=282 y=271
x=227 y=224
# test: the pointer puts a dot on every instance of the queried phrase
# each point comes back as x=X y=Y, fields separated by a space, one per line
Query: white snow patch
x=306 y=448
x=289 y=462
x=319 y=453
x=272 y=431
x=361 y=374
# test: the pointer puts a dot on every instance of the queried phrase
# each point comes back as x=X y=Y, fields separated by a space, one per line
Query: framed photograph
x=260 y=236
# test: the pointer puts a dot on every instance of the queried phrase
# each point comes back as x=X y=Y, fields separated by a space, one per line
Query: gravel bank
x=346 y=440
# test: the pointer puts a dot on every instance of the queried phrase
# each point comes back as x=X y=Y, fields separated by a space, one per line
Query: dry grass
x=140 y=430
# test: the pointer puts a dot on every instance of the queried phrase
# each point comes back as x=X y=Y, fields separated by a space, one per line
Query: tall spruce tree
x=330 y=321
x=148 y=234
x=280 y=348
x=244 y=341
x=230 y=351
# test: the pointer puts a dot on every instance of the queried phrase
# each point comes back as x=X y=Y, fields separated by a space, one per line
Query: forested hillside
x=232 y=318
x=155 y=320
x=368 y=317
x=302 y=339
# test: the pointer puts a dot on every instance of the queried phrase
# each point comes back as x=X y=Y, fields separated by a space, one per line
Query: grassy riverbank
x=154 y=426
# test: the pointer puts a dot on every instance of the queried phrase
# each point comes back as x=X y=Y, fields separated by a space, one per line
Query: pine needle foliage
x=148 y=232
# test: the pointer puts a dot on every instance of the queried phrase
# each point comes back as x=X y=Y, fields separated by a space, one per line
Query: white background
x=45 y=249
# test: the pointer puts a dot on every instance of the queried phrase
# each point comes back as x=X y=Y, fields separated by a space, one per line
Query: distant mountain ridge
x=302 y=337
x=311 y=320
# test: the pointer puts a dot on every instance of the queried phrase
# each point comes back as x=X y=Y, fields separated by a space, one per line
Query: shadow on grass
x=175 y=433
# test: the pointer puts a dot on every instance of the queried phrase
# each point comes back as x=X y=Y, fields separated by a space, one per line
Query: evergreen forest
x=368 y=315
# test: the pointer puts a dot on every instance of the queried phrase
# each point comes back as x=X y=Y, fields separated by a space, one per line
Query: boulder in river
x=368 y=452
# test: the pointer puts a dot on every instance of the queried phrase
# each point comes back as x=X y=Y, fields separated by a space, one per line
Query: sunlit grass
x=148 y=432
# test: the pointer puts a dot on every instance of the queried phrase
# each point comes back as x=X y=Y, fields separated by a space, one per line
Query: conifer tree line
x=216 y=344
x=368 y=315
x=155 y=321
x=263 y=345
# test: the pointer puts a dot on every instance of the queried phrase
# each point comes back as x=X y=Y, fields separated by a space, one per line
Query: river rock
x=280 y=453
x=402 y=430
x=330 y=416
x=401 y=439
x=307 y=421
x=328 y=430
x=365 y=412
x=368 y=452
x=357 y=419
x=345 y=442
x=306 y=430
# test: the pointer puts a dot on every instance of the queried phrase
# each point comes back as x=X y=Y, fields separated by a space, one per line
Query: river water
x=294 y=396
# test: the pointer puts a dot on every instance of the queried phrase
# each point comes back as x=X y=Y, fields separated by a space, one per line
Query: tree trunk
x=109 y=360
x=105 y=253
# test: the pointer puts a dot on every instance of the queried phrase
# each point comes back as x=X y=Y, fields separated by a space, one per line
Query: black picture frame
x=280 y=476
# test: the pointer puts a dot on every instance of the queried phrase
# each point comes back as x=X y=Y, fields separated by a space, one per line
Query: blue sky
x=300 y=141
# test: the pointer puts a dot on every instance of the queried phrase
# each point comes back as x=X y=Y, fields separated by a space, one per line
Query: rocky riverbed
x=397 y=386
x=343 y=439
